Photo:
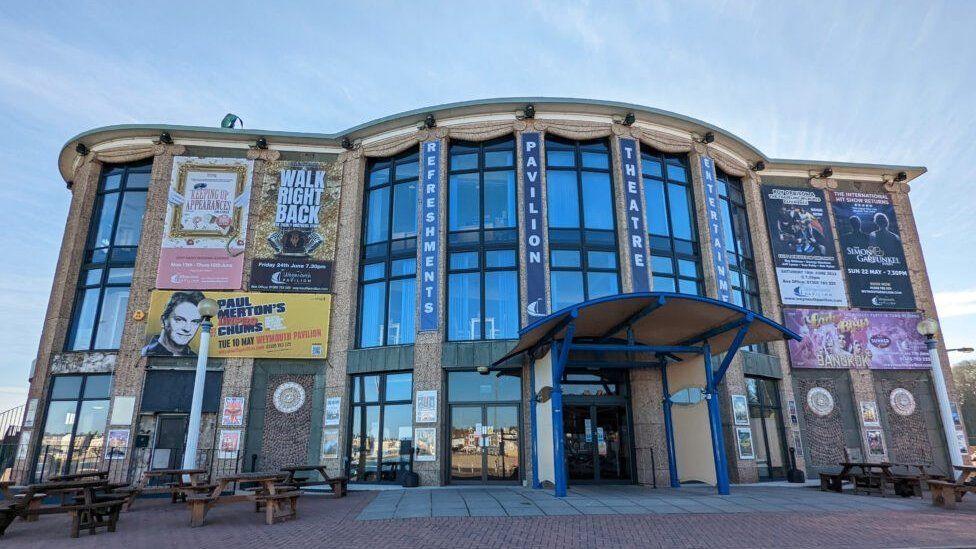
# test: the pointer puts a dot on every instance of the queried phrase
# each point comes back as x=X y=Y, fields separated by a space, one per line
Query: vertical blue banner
x=720 y=261
x=636 y=228
x=534 y=257
x=429 y=234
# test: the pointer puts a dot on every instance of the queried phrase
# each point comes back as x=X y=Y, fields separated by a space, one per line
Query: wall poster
x=296 y=228
x=426 y=407
x=856 y=339
x=720 y=259
x=875 y=438
x=425 y=443
x=429 y=196
x=248 y=324
x=228 y=444
x=118 y=443
x=330 y=443
x=205 y=225
x=636 y=229
x=803 y=247
x=873 y=254
x=233 y=414
x=743 y=438
x=869 y=414
x=332 y=406
x=740 y=409
x=30 y=413
x=533 y=246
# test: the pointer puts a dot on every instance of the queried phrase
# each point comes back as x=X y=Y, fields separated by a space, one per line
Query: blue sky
x=860 y=81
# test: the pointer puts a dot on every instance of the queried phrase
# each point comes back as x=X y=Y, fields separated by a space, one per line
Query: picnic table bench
x=874 y=478
x=947 y=493
x=338 y=484
x=279 y=502
x=88 y=509
x=177 y=486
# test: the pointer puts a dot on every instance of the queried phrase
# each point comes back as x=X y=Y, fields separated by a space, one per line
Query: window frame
x=79 y=401
x=483 y=245
x=736 y=209
x=391 y=255
x=88 y=260
x=359 y=404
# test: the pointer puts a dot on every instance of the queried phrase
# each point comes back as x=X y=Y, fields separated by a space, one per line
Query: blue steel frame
x=698 y=345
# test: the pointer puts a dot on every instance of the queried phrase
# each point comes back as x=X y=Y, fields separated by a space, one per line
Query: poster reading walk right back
x=873 y=254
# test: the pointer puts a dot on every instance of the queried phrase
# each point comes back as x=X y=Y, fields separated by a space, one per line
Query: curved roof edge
x=462 y=108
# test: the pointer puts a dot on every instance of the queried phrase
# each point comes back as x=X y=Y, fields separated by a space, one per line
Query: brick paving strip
x=517 y=517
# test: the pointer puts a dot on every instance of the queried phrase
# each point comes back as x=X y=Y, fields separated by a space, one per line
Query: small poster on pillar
x=743 y=438
x=425 y=443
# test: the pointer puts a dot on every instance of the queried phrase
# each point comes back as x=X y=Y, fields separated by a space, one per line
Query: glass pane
x=595 y=160
x=613 y=442
x=368 y=447
x=112 y=318
x=562 y=199
x=661 y=265
x=677 y=173
x=371 y=388
x=502 y=446
x=464 y=306
x=657 y=217
x=66 y=387
x=663 y=284
x=92 y=419
x=501 y=305
x=597 y=201
x=120 y=275
x=409 y=169
x=84 y=321
x=374 y=271
x=399 y=386
x=137 y=180
x=687 y=268
x=601 y=284
x=466 y=452
x=499 y=199
x=112 y=180
x=106 y=218
x=397 y=428
x=467 y=161
x=465 y=202
x=474 y=387
x=601 y=260
x=681 y=216
x=378 y=215
x=403 y=267
x=124 y=255
x=560 y=158
x=500 y=258
x=97 y=386
x=130 y=219
x=371 y=315
x=567 y=288
x=464 y=260
x=379 y=176
x=402 y=300
x=688 y=286
x=499 y=159
x=93 y=277
x=565 y=258
x=357 y=394
x=57 y=432
x=650 y=166
x=404 y=210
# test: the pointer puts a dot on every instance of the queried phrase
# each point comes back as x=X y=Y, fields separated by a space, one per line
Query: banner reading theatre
x=205 y=225
x=248 y=324
x=803 y=247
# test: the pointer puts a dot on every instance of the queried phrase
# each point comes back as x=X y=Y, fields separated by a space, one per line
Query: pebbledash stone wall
x=296 y=436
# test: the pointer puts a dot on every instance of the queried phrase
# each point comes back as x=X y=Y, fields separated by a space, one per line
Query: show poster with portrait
x=248 y=324
x=296 y=228
x=206 y=224
x=856 y=340
x=803 y=247
x=873 y=254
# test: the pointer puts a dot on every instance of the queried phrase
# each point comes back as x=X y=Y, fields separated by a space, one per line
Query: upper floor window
x=738 y=243
x=582 y=230
x=110 y=257
x=389 y=255
x=482 y=300
x=675 y=257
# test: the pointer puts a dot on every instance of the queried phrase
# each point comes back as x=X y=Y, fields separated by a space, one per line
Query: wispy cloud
x=953 y=304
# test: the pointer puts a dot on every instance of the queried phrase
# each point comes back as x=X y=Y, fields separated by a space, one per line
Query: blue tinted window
x=401 y=315
x=499 y=199
x=464 y=298
x=560 y=158
x=501 y=310
x=602 y=260
x=465 y=193
x=500 y=258
x=567 y=288
x=378 y=215
x=374 y=271
x=465 y=260
x=601 y=284
x=563 y=199
x=404 y=210
x=566 y=258
x=372 y=314
x=597 y=201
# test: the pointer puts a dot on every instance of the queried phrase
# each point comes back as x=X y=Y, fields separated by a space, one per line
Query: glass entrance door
x=597 y=443
x=485 y=442
x=766 y=421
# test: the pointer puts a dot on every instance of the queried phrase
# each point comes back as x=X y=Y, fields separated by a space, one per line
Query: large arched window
x=582 y=230
x=482 y=301
x=738 y=243
x=675 y=257
x=389 y=252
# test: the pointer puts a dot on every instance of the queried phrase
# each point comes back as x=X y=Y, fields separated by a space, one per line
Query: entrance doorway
x=485 y=443
x=766 y=420
x=597 y=427
x=170 y=441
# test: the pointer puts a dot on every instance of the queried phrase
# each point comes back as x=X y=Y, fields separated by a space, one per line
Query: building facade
x=364 y=276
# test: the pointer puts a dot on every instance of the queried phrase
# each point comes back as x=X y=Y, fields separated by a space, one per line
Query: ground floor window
x=766 y=422
x=485 y=429
x=74 y=429
x=381 y=430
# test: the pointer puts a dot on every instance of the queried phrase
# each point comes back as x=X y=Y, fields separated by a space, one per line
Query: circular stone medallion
x=820 y=401
x=289 y=397
x=902 y=402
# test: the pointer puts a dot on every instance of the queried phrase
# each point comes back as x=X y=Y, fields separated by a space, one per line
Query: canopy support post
x=669 y=428
x=733 y=349
x=715 y=421
x=561 y=352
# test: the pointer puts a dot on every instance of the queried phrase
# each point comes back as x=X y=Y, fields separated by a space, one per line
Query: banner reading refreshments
x=248 y=324
x=296 y=228
x=205 y=225
x=803 y=247
x=873 y=255
x=856 y=339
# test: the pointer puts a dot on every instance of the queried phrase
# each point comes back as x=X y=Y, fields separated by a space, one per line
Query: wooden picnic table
x=279 y=502
x=873 y=478
x=90 y=475
x=967 y=473
x=89 y=509
x=177 y=487
x=338 y=484
x=923 y=472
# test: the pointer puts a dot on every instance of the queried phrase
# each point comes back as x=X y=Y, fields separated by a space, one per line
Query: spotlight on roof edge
x=230 y=121
x=759 y=166
x=827 y=172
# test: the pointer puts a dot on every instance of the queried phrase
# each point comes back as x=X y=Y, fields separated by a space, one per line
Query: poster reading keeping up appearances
x=297 y=226
x=803 y=247
x=873 y=252
x=856 y=339
x=206 y=223
x=248 y=324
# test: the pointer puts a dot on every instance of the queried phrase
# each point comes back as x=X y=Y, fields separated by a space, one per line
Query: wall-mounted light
x=81 y=149
x=527 y=111
x=165 y=138
x=709 y=137
x=629 y=119
x=346 y=143
x=483 y=370
x=759 y=166
x=827 y=172
x=430 y=122
x=261 y=143
x=901 y=176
